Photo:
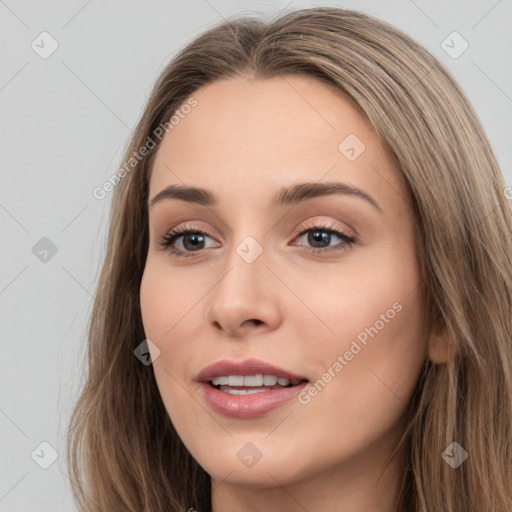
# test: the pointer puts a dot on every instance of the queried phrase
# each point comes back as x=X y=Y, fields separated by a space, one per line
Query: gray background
x=65 y=122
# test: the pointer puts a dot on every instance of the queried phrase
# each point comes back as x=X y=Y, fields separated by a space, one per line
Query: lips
x=248 y=401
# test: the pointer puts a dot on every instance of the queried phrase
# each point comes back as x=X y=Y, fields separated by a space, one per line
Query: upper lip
x=246 y=367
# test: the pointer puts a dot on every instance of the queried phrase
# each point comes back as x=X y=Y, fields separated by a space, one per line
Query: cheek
x=365 y=376
x=164 y=305
x=375 y=357
x=170 y=302
x=373 y=316
x=340 y=304
x=166 y=298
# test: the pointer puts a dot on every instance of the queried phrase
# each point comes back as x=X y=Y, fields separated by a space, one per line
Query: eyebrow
x=284 y=196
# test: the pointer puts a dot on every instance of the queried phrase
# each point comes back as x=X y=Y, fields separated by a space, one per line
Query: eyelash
x=167 y=241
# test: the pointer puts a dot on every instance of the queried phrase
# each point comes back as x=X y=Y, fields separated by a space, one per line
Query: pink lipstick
x=249 y=388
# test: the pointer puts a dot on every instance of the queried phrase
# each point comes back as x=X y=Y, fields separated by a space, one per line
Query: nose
x=245 y=298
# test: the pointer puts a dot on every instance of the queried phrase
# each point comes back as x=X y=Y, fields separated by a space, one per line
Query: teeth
x=222 y=381
x=235 y=380
x=244 y=391
x=269 y=380
x=252 y=381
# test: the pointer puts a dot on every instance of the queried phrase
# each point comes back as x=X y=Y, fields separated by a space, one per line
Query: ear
x=440 y=348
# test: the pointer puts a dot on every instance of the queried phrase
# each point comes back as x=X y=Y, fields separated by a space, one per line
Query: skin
x=294 y=308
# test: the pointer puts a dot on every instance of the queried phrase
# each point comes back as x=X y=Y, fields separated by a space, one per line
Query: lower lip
x=248 y=406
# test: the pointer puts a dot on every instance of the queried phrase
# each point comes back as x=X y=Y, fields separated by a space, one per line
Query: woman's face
x=339 y=307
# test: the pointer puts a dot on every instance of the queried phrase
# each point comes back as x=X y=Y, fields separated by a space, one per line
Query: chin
x=261 y=476
x=242 y=464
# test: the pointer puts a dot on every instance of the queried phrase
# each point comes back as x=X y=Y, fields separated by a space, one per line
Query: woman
x=310 y=242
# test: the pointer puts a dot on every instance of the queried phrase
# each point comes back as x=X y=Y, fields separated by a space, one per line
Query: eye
x=321 y=236
x=193 y=240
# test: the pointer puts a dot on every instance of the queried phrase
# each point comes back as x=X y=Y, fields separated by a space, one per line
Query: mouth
x=252 y=384
x=249 y=388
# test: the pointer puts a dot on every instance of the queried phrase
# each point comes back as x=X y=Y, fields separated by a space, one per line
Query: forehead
x=251 y=134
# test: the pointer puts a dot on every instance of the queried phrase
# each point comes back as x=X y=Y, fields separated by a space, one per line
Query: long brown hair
x=123 y=451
